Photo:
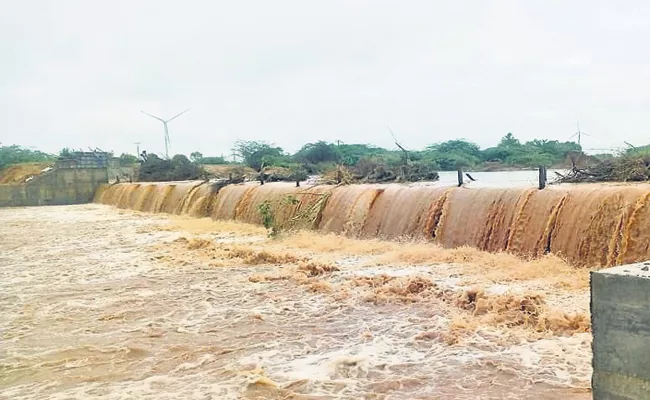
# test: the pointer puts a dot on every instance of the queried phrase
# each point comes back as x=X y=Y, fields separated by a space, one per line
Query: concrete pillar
x=620 y=322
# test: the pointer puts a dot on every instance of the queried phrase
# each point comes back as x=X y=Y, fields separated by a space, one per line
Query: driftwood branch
x=406 y=153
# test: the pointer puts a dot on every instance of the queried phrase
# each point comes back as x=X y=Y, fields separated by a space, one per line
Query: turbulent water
x=100 y=302
x=589 y=225
x=103 y=303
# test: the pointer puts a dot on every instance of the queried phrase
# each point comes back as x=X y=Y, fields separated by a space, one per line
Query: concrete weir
x=73 y=180
x=620 y=318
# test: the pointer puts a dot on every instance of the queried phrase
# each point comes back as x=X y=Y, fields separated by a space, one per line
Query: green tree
x=509 y=146
x=453 y=154
x=179 y=168
x=196 y=157
x=509 y=142
x=530 y=154
x=14 y=154
x=319 y=152
x=494 y=154
x=350 y=154
x=554 y=147
x=257 y=154
x=128 y=159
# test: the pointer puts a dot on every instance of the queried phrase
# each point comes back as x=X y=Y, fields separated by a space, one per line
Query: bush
x=350 y=154
x=317 y=153
x=179 y=168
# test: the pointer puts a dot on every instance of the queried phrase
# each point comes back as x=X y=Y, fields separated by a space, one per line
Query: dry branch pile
x=633 y=167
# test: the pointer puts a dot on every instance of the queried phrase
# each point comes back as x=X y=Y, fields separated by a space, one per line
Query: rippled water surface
x=104 y=303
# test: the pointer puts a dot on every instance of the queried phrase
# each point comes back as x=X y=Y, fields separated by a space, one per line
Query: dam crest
x=588 y=225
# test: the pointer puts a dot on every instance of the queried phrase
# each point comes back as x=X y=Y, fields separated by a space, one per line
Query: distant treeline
x=14 y=154
x=449 y=155
x=360 y=161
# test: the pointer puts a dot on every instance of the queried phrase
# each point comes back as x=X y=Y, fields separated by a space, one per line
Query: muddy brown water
x=92 y=308
x=588 y=225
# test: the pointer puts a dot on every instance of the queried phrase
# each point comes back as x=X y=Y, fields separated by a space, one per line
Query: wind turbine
x=579 y=133
x=167 y=142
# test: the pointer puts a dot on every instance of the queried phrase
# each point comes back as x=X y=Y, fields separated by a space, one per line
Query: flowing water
x=422 y=291
x=99 y=302
x=589 y=225
x=522 y=178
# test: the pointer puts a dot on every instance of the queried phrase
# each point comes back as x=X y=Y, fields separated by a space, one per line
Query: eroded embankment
x=588 y=225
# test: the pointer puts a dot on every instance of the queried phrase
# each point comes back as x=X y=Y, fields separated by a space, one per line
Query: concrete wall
x=56 y=187
x=620 y=317
x=82 y=160
x=126 y=174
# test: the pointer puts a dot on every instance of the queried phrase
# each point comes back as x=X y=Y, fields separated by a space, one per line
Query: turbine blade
x=177 y=115
x=152 y=116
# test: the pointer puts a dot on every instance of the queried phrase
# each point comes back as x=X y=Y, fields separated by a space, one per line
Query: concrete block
x=58 y=187
x=620 y=322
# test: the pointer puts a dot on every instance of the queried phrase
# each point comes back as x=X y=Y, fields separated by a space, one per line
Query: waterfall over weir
x=589 y=225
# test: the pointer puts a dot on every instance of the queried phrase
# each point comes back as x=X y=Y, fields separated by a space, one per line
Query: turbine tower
x=579 y=133
x=165 y=122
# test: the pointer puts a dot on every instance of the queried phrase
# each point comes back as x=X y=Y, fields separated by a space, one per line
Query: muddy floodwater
x=98 y=302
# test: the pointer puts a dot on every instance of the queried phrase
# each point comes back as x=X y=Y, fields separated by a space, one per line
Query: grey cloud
x=76 y=73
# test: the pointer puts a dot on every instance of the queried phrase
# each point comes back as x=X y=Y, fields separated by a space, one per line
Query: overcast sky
x=76 y=73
